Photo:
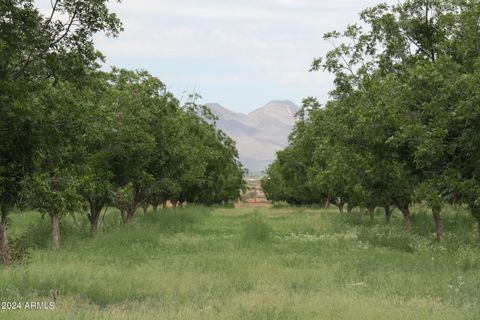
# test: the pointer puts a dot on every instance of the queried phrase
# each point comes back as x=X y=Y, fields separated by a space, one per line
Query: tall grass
x=280 y=204
x=300 y=263
x=256 y=229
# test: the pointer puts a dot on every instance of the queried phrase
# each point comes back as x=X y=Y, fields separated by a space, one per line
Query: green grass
x=300 y=263
x=256 y=230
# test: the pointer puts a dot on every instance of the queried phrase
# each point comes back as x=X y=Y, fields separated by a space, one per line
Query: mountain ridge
x=260 y=133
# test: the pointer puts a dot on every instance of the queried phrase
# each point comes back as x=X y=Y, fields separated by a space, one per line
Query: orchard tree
x=402 y=119
x=94 y=170
x=359 y=126
x=36 y=49
x=273 y=184
x=204 y=161
x=52 y=187
x=131 y=98
x=432 y=45
x=404 y=67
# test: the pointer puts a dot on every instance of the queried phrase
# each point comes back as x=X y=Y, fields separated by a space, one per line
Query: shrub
x=18 y=252
x=256 y=230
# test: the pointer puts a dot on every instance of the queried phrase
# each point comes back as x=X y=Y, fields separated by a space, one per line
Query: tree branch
x=29 y=60
x=54 y=9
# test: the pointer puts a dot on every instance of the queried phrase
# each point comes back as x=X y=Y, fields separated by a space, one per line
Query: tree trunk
x=164 y=204
x=123 y=215
x=475 y=211
x=129 y=215
x=338 y=204
x=93 y=227
x=4 y=249
x=360 y=212
x=155 y=208
x=94 y=216
x=349 y=208
x=439 y=228
x=56 y=231
x=407 y=221
x=478 y=233
x=340 y=207
x=388 y=213
x=371 y=212
x=4 y=252
x=174 y=203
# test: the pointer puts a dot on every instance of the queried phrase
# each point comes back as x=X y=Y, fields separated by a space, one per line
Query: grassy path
x=199 y=263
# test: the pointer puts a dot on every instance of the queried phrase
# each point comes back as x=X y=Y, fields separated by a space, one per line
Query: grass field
x=283 y=263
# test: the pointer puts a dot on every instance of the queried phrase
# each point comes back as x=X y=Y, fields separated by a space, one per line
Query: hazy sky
x=239 y=53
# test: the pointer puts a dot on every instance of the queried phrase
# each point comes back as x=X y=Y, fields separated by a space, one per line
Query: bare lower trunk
x=125 y=219
x=155 y=208
x=3 y=237
x=388 y=213
x=439 y=228
x=407 y=220
x=340 y=207
x=93 y=227
x=56 y=231
x=129 y=208
x=478 y=233
x=174 y=203
x=128 y=211
x=94 y=215
x=475 y=211
x=349 y=208
x=371 y=212
x=338 y=204
x=4 y=250
x=164 y=204
x=128 y=215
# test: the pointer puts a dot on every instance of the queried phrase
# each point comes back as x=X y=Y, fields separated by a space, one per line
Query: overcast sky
x=240 y=54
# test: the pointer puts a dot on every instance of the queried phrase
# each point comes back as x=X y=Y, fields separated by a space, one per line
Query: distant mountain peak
x=216 y=107
x=278 y=106
x=259 y=134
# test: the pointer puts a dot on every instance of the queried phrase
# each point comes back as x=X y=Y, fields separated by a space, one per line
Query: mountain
x=259 y=134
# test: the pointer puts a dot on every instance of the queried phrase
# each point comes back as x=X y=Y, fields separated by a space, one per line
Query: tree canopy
x=398 y=127
x=74 y=138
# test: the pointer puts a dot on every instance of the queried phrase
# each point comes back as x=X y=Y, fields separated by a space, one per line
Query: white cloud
x=264 y=45
x=237 y=40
